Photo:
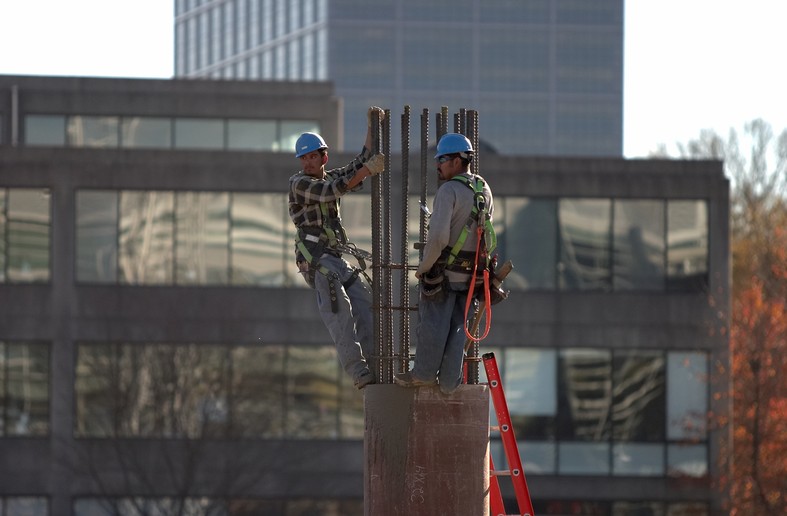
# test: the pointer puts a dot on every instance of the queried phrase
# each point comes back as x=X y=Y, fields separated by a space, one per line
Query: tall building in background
x=546 y=75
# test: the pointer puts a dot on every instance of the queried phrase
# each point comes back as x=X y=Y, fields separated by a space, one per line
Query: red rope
x=487 y=304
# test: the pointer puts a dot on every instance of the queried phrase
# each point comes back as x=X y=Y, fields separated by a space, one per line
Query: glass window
x=530 y=379
x=146 y=132
x=688 y=509
x=95 y=390
x=25 y=506
x=537 y=456
x=93 y=131
x=583 y=458
x=638 y=396
x=687 y=395
x=531 y=73
x=199 y=133
x=585 y=237
x=687 y=245
x=312 y=395
x=45 y=130
x=146 y=238
x=97 y=236
x=588 y=125
x=367 y=65
x=427 y=70
x=251 y=135
x=3 y=226
x=638 y=245
x=529 y=240
x=638 y=459
x=154 y=506
x=588 y=60
x=28 y=233
x=687 y=460
x=258 y=388
x=202 y=245
x=258 y=229
x=290 y=130
x=637 y=508
x=24 y=389
x=585 y=378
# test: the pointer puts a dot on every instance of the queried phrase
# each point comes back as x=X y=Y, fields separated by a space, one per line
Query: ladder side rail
x=507 y=434
x=496 y=505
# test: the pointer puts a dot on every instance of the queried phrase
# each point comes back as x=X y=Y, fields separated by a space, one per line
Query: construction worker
x=344 y=301
x=446 y=268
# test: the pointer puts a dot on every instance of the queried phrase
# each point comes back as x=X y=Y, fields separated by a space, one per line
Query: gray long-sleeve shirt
x=452 y=205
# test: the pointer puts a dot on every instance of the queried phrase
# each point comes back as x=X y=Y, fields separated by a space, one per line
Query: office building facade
x=158 y=351
x=546 y=75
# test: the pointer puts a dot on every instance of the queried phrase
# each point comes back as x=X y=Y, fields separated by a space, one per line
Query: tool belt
x=311 y=244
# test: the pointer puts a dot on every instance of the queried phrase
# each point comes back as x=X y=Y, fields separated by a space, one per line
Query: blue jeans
x=351 y=326
x=440 y=339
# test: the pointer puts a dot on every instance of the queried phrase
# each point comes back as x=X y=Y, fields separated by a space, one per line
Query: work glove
x=376 y=164
x=372 y=109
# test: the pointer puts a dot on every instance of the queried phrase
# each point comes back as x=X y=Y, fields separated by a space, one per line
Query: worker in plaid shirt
x=343 y=300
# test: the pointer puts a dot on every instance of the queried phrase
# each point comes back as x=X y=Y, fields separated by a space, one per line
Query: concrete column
x=426 y=453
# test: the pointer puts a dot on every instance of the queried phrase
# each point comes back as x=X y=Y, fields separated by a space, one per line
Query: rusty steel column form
x=377 y=253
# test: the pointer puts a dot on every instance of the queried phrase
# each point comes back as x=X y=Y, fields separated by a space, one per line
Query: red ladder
x=509 y=445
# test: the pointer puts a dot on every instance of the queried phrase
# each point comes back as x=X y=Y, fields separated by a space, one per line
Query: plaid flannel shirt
x=306 y=192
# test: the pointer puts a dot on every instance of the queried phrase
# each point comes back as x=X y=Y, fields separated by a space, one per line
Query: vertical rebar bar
x=379 y=349
x=387 y=276
x=404 y=285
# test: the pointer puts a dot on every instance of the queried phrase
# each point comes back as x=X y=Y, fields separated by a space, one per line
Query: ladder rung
x=501 y=472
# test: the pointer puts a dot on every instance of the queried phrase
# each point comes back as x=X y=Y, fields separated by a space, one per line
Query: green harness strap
x=478 y=215
x=332 y=239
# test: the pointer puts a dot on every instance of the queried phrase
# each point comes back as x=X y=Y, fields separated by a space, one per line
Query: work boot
x=364 y=379
x=408 y=380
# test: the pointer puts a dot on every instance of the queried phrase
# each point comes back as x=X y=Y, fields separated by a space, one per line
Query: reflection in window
x=530 y=377
x=638 y=396
x=312 y=392
x=202 y=245
x=257 y=239
x=687 y=395
x=97 y=236
x=24 y=389
x=28 y=228
x=3 y=225
x=638 y=245
x=585 y=377
x=638 y=459
x=199 y=133
x=212 y=391
x=258 y=383
x=585 y=233
x=146 y=132
x=257 y=135
x=687 y=245
x=152 y=391
x=45 y=130
x=291 y=130
x=146 y=237
x=24 y=506
x=92 y=131
x=529 y=241
x=687 y=460
x=209 y=506
x=583 y=458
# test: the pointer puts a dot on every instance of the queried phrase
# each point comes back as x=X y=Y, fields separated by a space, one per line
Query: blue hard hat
x=308 y=142
x=453 y=143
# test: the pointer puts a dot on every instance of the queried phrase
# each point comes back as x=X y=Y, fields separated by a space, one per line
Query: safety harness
x=313 y=242
x=486 y=244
